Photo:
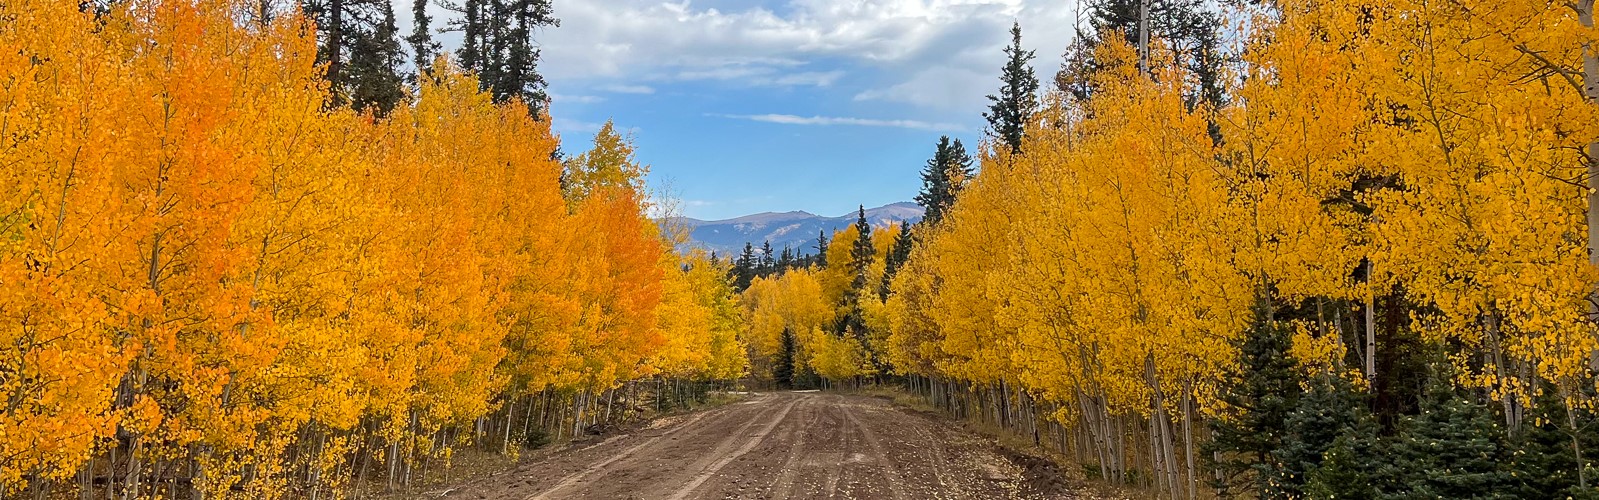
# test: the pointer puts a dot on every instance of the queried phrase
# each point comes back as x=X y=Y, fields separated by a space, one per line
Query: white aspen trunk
x=1188 y=438
x=1143 y=36
x=1371 y=327
x=510 y=413
x=1590 y=79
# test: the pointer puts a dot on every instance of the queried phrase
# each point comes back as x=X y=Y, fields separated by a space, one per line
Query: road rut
x=771 y=446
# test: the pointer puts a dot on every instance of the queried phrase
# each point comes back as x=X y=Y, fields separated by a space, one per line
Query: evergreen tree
x=744 y=268
x=1350 y=468
x=1260 y=396
x=897 y=256
x=943 y=178
x=1330 y=409
x=785 y=262
x=862 y=253
x=497 y=44
x=783 y=366
x=358 y=42
x=768 y=261
x=821 y=248
x=1188 y=25
x=1018 y=95
x=373 y=79
x=1543 y=460
x=1451 y=449
x=423 y=48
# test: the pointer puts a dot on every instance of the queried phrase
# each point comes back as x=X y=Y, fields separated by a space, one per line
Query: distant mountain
x=797 y=230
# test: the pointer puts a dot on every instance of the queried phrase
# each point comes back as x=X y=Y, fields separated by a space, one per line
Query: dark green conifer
x=783 y=366
x=1011 y=109
x=1259 y=396
x=1452 y=449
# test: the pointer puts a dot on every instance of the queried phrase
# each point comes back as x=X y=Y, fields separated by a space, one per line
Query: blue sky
x=775 y=105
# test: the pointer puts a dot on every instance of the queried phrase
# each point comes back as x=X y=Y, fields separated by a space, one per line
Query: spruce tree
x=785 y=262
x=1542 y=458
x=768 y=265
x=1452 y=449
x=498 y=45
x=897 y=256
x=1330 y=409
x=423 y=48
x=783 y=366
x=942 y=179
x=1017 y=100
x=744 y=268
x=862 y=253
x=1260 y=395
x=1351 y=468
x=358 y=42
x=372 y=77
x=821 y=248
x=1188 y=25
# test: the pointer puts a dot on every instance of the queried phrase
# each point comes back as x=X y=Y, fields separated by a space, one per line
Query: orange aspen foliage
x=205 y=270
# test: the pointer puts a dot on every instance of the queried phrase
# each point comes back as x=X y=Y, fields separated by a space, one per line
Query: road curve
x=775 y=445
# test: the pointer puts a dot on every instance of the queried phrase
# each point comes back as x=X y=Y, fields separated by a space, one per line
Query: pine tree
x=1451 y=449
x=897 y=256
x=783 y=366
x=943 y=178
x=862 y=253
x=1017 y=100
x=1542 y=459
x=744 y=268
x=1188 y=25
x=1350 y=467
x=423 y=48
x=372 y=77
x=1331 y=408
x=1261 y=395
x=498 y=45
x=821 y=249
x=785 y=262
x=768 y=265
x=359 y=44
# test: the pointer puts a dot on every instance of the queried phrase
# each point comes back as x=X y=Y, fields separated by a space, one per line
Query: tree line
x=226 y=272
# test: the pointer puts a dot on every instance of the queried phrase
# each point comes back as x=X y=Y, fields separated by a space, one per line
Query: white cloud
x=940 y=87
x=841 y=120
x=576 y=99
x=934 y=53
x=628 y=89
x=798 y=42
x=574 y=126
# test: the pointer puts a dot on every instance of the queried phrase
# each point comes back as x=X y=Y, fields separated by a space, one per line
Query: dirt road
x=780 y=445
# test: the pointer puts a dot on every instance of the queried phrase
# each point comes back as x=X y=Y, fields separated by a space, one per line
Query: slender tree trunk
x=1371 y=326
x=1143 y=36
x=1590 y=78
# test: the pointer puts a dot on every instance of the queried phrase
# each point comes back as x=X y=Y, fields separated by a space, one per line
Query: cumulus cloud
x=802 y=42
x=842 y=120
x=628 y=89
x=935 y=53
x=576 y=99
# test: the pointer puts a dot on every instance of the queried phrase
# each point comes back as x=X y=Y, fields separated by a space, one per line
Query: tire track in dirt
x=602 y=466
x=896 y=481
x=783 y=486
x=774 y=446
x=753 y=441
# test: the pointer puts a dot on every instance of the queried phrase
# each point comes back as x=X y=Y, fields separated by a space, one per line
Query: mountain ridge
x=795 y=229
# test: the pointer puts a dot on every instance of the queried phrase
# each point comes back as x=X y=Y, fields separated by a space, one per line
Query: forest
x=1255 y=248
